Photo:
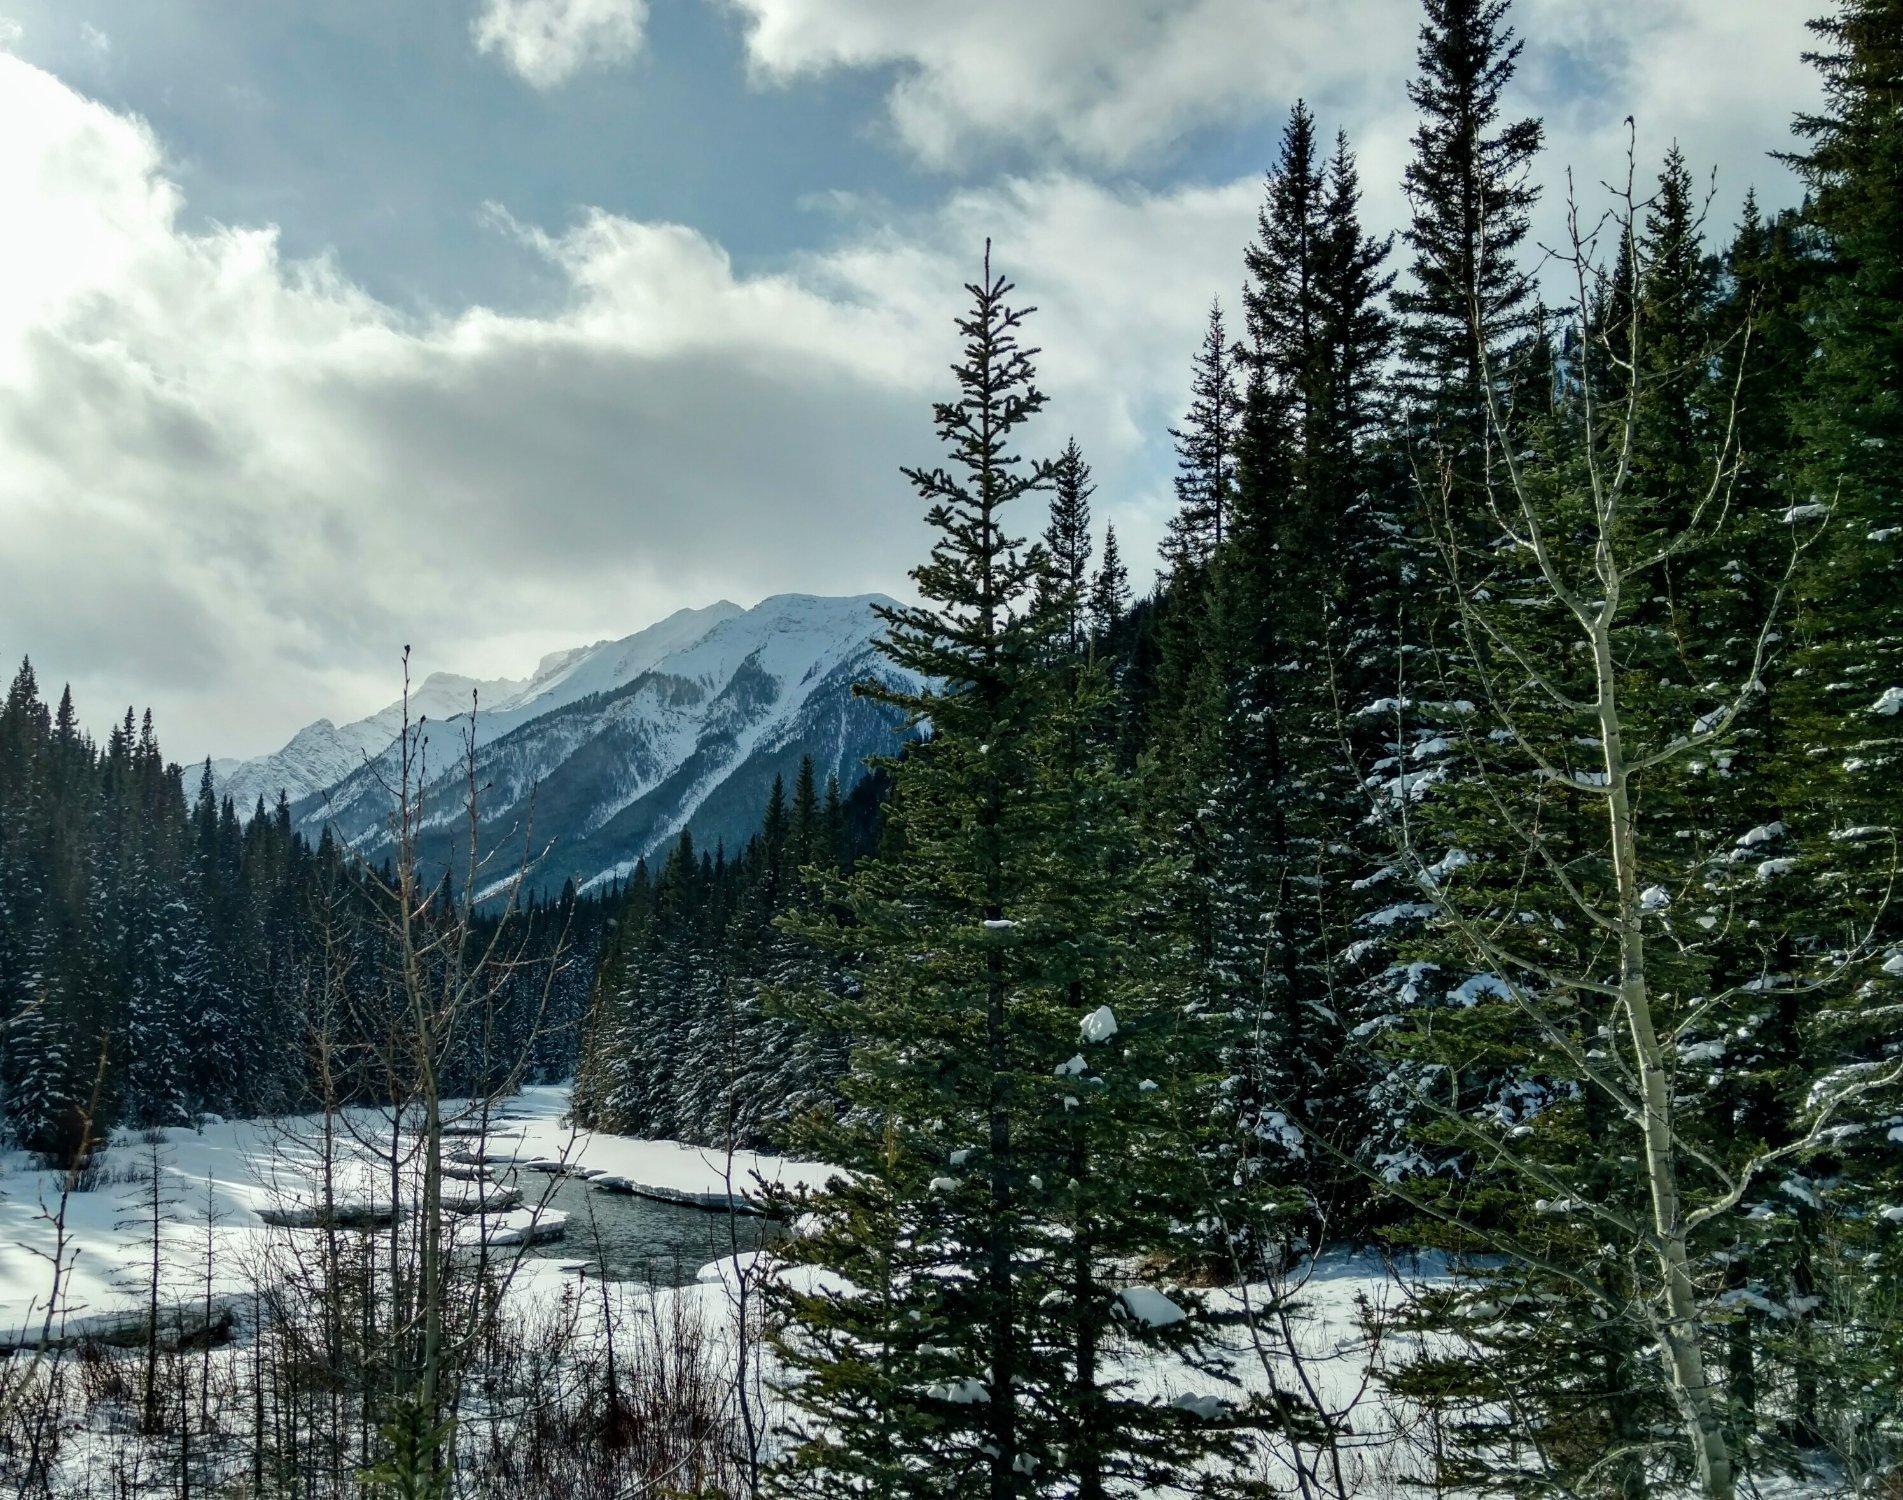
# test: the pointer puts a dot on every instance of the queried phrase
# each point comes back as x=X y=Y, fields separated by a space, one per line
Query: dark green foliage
x=1008 y=1141
x=158 y=959
x=683 y=1042
x=1470 y=192
x=1844 y=744
x=1205 y=456
x=1065 y=591
x=1110 y=591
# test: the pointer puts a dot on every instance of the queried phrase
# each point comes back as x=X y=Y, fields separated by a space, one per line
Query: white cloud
x=1109 y=82
x=546 y=42
x=1106 y=80
x=233 y=484
x=94 y=38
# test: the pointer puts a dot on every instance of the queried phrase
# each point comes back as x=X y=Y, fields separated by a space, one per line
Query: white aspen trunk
x=1683 y=1359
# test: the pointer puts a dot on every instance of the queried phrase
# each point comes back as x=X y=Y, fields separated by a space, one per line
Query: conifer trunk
x=1087 y=1447
x=998 y=1252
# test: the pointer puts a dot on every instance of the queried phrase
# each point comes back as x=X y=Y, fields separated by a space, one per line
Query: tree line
x=160 y=958
x=681 y=1041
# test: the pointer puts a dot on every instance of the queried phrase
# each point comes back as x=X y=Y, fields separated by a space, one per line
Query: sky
x=493 y=327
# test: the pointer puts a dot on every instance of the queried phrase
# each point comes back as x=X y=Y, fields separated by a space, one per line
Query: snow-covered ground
x=230 y=1190
x=231 y=1186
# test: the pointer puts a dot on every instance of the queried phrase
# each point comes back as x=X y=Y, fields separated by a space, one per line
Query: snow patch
x=1150 y=1307
x=1470 y=991
x=1404 y=911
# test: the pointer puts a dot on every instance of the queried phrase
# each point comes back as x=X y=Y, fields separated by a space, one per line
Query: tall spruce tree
x=1205 y=457
x=1296 y=628
x=940 y=1068
x=982 y=1090
x=1110 y=589
x=1470 y=194
x=1466 y=324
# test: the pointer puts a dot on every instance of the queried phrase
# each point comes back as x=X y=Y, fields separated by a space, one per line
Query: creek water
x=628 y=1238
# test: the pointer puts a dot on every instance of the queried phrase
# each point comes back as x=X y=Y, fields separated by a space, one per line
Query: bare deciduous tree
x=1552 y=522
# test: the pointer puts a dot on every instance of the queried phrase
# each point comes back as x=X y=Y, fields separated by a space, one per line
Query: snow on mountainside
x=568 y=676
x=322 y=754
x=610 y=751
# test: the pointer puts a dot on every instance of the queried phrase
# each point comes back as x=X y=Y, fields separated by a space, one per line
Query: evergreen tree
x=940 y=1058
x=1205 y=456
x=1295 y=627
x=1469 y=191
x=1468 y=337
x=1846 y=683
x=1110 y=590
x=1065 y=592
x=965 y=1365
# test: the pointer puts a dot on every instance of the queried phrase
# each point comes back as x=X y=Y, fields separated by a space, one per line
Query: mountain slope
x=685 y=730
x=321 y=754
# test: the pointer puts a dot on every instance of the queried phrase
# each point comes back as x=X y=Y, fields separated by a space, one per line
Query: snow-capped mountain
x=607 y=752
x=321 y=754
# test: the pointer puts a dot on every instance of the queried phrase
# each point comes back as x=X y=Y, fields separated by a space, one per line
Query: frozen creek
x=227 y=1188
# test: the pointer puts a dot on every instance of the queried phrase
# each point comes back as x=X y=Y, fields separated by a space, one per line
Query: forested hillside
x=680 y=1043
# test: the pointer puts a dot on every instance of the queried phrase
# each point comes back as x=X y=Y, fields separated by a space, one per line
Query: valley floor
x=229 y=1191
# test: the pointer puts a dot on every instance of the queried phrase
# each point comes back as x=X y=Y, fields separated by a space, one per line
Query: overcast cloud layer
x=233 y=482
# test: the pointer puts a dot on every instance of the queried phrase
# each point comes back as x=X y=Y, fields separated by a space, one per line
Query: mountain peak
x=613 y=749
x=795 y=644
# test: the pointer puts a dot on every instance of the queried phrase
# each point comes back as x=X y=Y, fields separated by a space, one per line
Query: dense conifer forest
x=160 y=959
x=1484 y=836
